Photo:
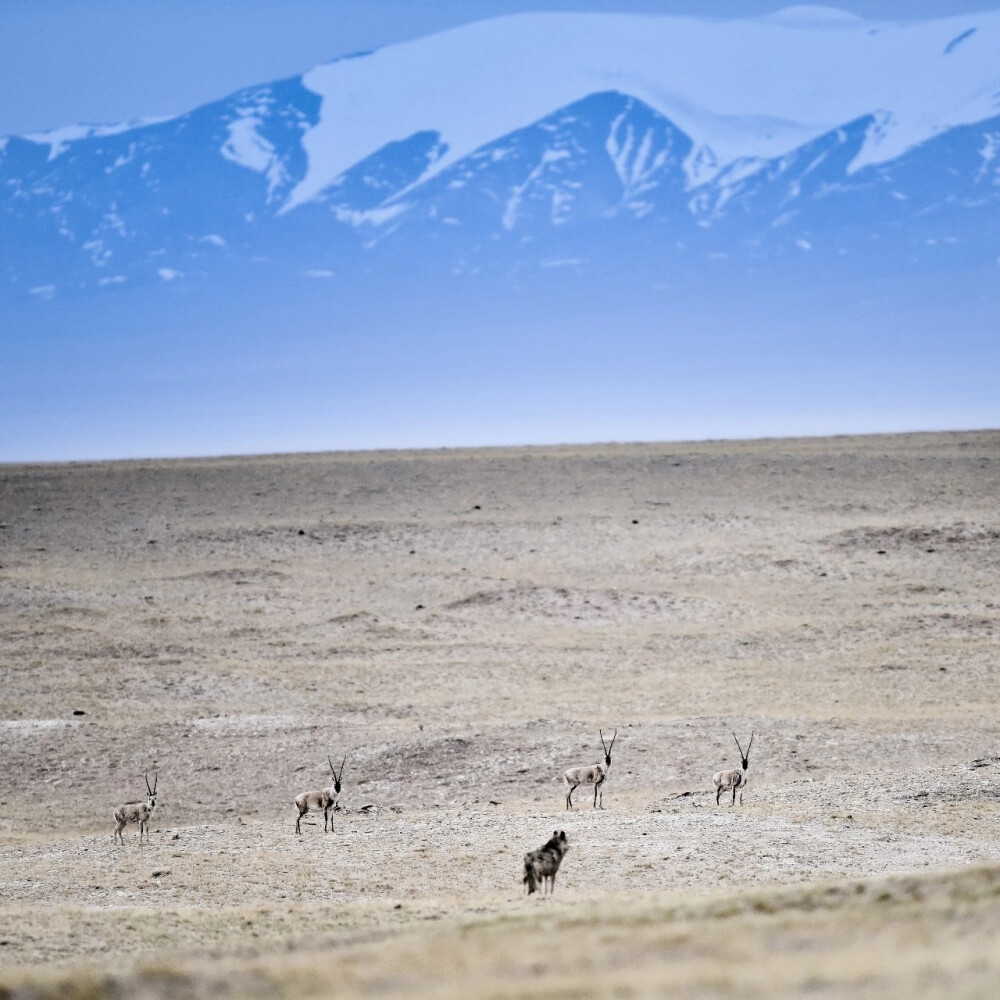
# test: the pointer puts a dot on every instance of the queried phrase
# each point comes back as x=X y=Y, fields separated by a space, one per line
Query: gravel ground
x=461 y=625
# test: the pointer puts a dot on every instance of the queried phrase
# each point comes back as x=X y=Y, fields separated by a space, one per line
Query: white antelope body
x=136 y=812
x=592 y=774
x=734 y=779
x=322 y=798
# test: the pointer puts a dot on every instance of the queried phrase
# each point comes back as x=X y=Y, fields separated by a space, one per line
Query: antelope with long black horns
x=592 y=774
x=736 y=778
x=136 y=812
x=322 y=798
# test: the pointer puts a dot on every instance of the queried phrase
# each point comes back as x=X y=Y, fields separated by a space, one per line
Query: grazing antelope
x=542 y=865
x=136 y=812
x=323 y=798
x=736 y=778
x=593 y=774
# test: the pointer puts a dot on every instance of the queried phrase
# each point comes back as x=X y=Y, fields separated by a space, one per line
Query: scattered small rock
x=159 y=872
x=79 y=711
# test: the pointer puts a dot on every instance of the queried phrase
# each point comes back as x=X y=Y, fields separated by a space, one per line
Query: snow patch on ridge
x=634 y=161
x=248 y=148
x=58 y=140
x=375 y=216
x=988 y=151
x=511 y=211
x=747 y=89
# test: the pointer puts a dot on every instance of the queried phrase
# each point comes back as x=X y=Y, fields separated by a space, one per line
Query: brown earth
x=461 y=624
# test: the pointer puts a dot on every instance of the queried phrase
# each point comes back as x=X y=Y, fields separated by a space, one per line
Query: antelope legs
x=569 y=795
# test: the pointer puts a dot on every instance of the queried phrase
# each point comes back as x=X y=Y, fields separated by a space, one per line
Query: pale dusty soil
x=461 y=624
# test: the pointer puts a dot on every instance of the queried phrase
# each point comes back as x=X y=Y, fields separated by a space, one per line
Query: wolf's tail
x=530 y=879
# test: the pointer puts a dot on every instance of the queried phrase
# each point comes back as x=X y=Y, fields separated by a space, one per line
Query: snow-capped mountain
x=539 y=142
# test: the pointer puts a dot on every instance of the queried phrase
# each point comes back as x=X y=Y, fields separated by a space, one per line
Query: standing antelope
x=136 y=812
x=736 y=778
x=323 y=798
x=592 y=774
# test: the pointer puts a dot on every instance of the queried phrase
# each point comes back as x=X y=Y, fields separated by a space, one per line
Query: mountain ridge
x=169 y=199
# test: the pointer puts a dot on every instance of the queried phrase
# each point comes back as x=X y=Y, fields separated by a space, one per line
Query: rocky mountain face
x=240 y=184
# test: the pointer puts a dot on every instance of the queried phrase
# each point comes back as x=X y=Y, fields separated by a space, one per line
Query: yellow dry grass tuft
x=926 y=936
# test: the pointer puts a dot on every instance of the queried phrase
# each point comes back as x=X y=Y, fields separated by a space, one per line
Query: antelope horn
x=742 y=754
x=332 y=768
x=342 y=763
x=603 y=744
x=148 y=789
x=156 y=778
x=613 y=738
x=750 y=744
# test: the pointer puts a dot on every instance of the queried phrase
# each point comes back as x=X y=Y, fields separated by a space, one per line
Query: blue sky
x=67 y=61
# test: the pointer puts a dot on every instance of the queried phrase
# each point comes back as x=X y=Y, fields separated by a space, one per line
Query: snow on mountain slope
x=754 y=88
x=58 y=140
x=511 y=144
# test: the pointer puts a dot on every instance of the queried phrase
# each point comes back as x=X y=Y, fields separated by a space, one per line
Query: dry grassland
x=461 y=624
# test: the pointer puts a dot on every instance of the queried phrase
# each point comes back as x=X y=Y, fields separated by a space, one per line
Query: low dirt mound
x=593 y=606
x=959 y=535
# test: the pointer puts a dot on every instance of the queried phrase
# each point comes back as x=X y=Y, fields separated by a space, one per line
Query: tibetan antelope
x=542 y=865
x=136 y=812
x=592 y=774
x=736 y=778
x=323 y=798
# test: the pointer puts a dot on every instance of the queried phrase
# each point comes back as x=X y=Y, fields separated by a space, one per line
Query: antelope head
x=607 y=749
x=337 y=777
x=744 y=757
x=151 y=799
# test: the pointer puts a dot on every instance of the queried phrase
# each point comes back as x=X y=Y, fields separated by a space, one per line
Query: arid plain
x=461 y=624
